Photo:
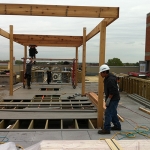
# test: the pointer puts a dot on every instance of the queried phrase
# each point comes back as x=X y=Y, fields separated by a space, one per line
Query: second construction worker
x=28 y=72
x=112 y=98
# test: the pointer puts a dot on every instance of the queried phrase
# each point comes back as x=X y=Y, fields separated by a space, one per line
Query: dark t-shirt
x=28 y=68
x=111 y=87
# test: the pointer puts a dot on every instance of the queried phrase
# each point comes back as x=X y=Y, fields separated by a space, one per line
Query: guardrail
x=133 y=85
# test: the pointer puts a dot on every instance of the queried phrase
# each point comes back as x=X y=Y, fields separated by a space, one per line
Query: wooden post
x=25 y=52
x=11 y=61
x=76 y=66
x=83 y=61
x=100 y=82
x=24 y=62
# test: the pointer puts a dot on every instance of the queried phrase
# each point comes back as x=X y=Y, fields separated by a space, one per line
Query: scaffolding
x=64 y=73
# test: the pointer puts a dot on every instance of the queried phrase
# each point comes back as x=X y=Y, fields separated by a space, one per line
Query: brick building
x=147 y=42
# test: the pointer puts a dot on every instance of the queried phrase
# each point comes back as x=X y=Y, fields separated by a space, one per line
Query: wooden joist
x=109 y=14
x=47 y=37
x=4 y=33
x=48 y=40
x=58 y=10
x=96 y=30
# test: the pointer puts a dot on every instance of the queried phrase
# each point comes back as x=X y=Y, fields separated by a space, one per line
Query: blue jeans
x=28 y=80
x=111 y=115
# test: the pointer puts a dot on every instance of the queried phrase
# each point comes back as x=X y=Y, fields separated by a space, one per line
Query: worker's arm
x=32 y=60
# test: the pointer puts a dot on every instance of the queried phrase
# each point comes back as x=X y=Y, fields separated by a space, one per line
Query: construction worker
x=29 y=63
x=112 y=98
x=33 y=51
x=49 y=76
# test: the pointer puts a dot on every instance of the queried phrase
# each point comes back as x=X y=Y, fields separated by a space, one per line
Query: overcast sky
x=125 y=38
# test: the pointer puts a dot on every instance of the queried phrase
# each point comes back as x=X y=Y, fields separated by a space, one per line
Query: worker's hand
x=107 y=102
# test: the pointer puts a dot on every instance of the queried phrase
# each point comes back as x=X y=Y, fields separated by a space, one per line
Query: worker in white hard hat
x=112 y=98
x=29 y=63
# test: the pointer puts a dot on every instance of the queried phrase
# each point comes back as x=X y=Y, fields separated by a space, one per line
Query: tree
x=137 y=64
x=114 y=62
x=18 y=62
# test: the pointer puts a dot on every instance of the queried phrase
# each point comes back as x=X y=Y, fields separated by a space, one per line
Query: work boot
x=116 y=128
x=103 y=131
x=29 y=87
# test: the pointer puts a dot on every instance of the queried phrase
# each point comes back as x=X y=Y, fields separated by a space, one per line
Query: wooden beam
x=11 y=62
x=31 y=125
x=46 y=124
x=76 y=66
x=61 y=124
x=76 y=124
x=4 y=33
x=2 y=123
x=47 y=42
x=100 y=81
x=97 y=29
x=53 y=45
x=83 y=61
x=24 y=63
x=90 y=124
x=47 y=37
x=16 y=125
x=58 y=10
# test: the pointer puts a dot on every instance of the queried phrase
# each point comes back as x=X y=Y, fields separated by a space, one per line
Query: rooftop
x=128 y=109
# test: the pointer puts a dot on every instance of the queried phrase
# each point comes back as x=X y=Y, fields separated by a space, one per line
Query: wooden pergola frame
x=109 y=14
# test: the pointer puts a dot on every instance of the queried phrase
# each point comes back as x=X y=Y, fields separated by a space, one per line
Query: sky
x=125 y=37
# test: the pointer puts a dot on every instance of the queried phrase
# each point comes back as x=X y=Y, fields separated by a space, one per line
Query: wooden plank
x=2 y=123
x=144 y=110
x=117 y=144
x=16 y=125
x=58 y=10
x=90 y=125
x=4 y=33
x=111 y=144
x=31 y=124
x=120 y=118
x=94 y=98
x=46 y=125
x=76 y=124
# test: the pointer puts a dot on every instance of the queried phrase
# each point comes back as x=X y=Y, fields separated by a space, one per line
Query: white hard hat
x=27 y=61
x=103 y=68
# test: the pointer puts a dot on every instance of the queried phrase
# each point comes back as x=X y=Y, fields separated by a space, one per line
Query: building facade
x=147 y=42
